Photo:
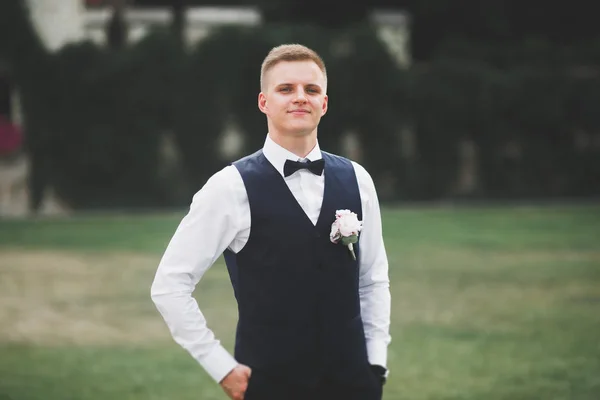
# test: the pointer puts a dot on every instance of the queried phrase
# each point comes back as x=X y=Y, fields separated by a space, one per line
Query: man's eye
x=285 y=89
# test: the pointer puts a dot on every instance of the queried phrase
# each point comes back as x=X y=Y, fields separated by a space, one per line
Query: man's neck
x=299 y=145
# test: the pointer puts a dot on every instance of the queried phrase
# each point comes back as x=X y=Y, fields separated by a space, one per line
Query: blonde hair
x=290 y=52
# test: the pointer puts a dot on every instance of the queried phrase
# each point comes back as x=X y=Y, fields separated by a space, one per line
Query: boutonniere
x=345 y=229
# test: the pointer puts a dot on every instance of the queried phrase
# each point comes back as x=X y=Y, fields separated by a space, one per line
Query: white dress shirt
x=219 y=219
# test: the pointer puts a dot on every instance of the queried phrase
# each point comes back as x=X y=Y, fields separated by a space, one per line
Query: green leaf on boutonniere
x=346 y=240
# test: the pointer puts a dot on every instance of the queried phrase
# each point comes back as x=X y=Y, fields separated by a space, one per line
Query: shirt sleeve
x=374 y=284
x=210 y=226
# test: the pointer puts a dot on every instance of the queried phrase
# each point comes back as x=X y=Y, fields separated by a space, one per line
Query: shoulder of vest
x=336 y=157
x=250 y=157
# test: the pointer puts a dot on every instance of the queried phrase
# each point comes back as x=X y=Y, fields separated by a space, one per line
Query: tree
x=178 y=8
x=116 y=29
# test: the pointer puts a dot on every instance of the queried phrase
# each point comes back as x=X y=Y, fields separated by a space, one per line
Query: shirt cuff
x=218 y=363
x=377 y=352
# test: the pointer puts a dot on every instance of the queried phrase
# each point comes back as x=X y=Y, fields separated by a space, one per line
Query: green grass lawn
x=487 y=303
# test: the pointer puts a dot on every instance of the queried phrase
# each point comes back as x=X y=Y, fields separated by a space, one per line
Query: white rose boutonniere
x=345 y=229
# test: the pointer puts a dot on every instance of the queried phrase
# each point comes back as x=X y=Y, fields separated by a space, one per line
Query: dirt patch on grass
x=49 y=297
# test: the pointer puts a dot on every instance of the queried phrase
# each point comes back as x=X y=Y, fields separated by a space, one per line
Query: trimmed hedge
x=95 y=117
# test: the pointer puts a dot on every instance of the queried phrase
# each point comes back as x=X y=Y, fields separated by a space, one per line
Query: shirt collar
x=277 y=155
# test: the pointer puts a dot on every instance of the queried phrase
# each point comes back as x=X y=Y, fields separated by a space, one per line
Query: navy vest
x=297 y=292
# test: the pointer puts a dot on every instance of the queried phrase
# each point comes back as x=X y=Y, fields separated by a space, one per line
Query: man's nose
x=300 y=95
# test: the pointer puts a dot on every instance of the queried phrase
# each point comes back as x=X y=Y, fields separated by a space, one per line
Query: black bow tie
x=316 y=167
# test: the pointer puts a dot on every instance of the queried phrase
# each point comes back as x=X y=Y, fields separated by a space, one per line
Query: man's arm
x=374 y=284
x=210 y=226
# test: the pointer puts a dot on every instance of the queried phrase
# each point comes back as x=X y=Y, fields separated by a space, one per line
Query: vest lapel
x=327 y=214
x=283 y=187
x=336 y=194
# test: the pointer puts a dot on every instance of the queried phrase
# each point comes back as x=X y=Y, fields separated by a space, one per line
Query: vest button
x=317 y=235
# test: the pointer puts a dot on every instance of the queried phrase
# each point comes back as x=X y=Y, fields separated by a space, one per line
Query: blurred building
x=62 y=21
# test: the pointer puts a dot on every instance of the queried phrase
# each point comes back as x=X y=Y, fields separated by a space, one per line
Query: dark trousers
x=264 y=385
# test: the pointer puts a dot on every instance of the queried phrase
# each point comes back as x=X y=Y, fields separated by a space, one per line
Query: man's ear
x=325 y=105
x=262 y=102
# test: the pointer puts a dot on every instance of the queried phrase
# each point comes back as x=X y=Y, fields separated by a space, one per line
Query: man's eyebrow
x=311 y=85
x=289 y=84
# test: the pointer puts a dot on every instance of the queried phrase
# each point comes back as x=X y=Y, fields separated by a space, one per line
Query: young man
x=313 y=320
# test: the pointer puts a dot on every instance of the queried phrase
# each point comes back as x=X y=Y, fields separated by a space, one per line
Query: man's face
x=294 y=97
